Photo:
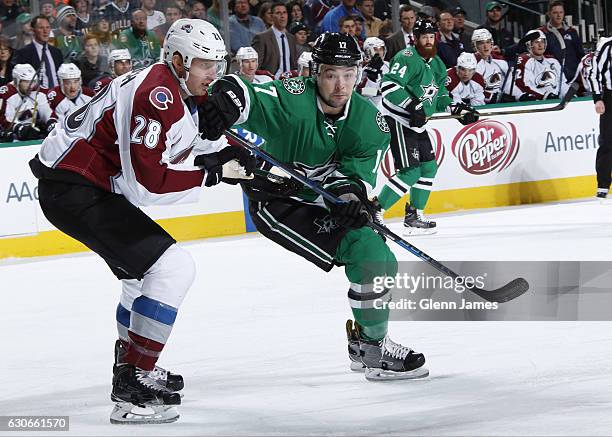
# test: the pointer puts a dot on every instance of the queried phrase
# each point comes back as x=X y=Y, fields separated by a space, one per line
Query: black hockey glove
x=417 y=116
x=213 y=163
x=469 y=114
x=222 y=108
x=374 y=68
x=6 y=136
x=26 y=132
x=352 y=214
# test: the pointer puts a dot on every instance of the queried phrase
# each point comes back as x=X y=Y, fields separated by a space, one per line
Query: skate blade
x=374 y=374
x=126 y=413
x=413 y=232
x=357 y=367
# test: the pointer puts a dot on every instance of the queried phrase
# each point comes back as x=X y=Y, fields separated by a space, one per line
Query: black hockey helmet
x=423 y=27
x=333 y=48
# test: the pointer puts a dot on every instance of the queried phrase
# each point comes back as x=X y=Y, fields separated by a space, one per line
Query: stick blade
x=511 y=290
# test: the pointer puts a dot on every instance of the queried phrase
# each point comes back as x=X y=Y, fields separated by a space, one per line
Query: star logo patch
x=429 y=92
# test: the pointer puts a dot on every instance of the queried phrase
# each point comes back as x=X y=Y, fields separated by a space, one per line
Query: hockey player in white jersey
x=247 y=59
x=538 y=74
x=129 y=147
x=464 y=85
x=70 y=93
x=583 y=73
x=25 y=113
x=375 y=51
x=119 y=62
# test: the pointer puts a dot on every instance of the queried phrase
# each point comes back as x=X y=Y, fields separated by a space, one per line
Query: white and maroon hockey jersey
x=133 y=138
x=15 y=108
x=493 y=72
x=371 y=89
x=583 y=72
x=101 y=83
x=471 y=93
x=539 y=77
x=62 y=105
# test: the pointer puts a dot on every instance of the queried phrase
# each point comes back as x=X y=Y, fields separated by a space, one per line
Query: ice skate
x=602 y=195
x=415 y=222
x=386 y=360
x=140 y=399
x=354 y=352
x=172 y=381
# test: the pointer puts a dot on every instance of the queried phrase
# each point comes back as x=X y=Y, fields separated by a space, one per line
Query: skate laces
x=422 y=217
x=145 y=378
x=394 y=349
x=158 y=373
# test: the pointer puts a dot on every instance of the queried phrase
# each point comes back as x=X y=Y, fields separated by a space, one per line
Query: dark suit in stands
x=28 y=55
x=395 y=43
x=266 y=47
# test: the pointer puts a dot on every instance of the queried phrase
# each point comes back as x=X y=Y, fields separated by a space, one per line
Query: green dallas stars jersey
x=287 y=115
x=409 y=77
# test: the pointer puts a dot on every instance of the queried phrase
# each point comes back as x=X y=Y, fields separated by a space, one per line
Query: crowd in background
x=273 y=39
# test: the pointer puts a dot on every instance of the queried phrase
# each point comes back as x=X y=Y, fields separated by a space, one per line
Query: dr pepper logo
x=486 y=146
x=388 y=166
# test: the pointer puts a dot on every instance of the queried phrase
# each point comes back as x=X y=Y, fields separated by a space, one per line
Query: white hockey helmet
x=193 y=39
x=370 y=44
x=467 y=60
x=536 y=34
x=118 y=55
x=24 y=72
x=481 y=35
x=246 y=53
x=68 y=71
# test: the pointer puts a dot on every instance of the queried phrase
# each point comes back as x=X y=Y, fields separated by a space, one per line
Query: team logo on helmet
x=187 y=28
x=294 y=86
x=382 y=123
x=160 y=97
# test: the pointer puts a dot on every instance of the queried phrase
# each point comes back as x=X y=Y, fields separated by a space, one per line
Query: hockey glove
x=417 y=116
x=223 y=107
x=374 y=67
x=469 y=114
x=551 y=96
x=26 y=132
x=213 y=163
x=6 y=136
x=352 y=213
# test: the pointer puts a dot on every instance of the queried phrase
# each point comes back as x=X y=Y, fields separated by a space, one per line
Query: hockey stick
x=510 y=291
x=571 y=92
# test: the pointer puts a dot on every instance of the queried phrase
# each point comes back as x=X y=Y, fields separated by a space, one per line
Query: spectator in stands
x=492 y=67
x=182 y=5
x=119 y=63
x=465 y=35
x=372 y=23
x=403 y=37
x=382 y=8
x=118 y=13
x=359 y=27
x=427 y=13
x=213 y=16
x=91 y=64
x=154 y=17
x=300 y=31
x=502 y=38
x=6 y=54
x=563 y=41
x=386 y=30
x=448 y=42
x=296 y=13
x=247 y=63
x=172 y=14
x=84 y=18
x=463 y=83
x=66 y=38
x=265 y=13
x=198 y=10
x=40 y=49
x=332 y=18
x=144 y=46
x=69 y=94
x=105 y=37
x=538 y=75
x=346 y=24
x=47 y=9
x=24 y=34
x=243 y=26
x=9 y=11
x=276 y=46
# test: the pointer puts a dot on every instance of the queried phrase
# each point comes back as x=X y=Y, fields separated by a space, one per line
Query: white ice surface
x=260 y=341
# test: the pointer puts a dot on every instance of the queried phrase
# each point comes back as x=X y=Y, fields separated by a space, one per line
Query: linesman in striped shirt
x=600 y=81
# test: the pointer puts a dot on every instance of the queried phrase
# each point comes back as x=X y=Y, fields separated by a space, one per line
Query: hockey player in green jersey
x=320 y=126
x=412 y=90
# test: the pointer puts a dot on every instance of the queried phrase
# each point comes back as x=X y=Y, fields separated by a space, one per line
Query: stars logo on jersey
x=382 y=123
x=161 y=97
x=325 y=224
x=317 y=172
x=294 y=86
x=429 y=92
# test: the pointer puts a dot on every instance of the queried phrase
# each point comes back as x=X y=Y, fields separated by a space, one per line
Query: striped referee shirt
x=600 y=78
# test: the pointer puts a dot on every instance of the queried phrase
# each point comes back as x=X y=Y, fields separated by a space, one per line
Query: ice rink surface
x=260 y=341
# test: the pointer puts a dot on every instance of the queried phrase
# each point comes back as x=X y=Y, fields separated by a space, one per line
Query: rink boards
x=509 y=160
